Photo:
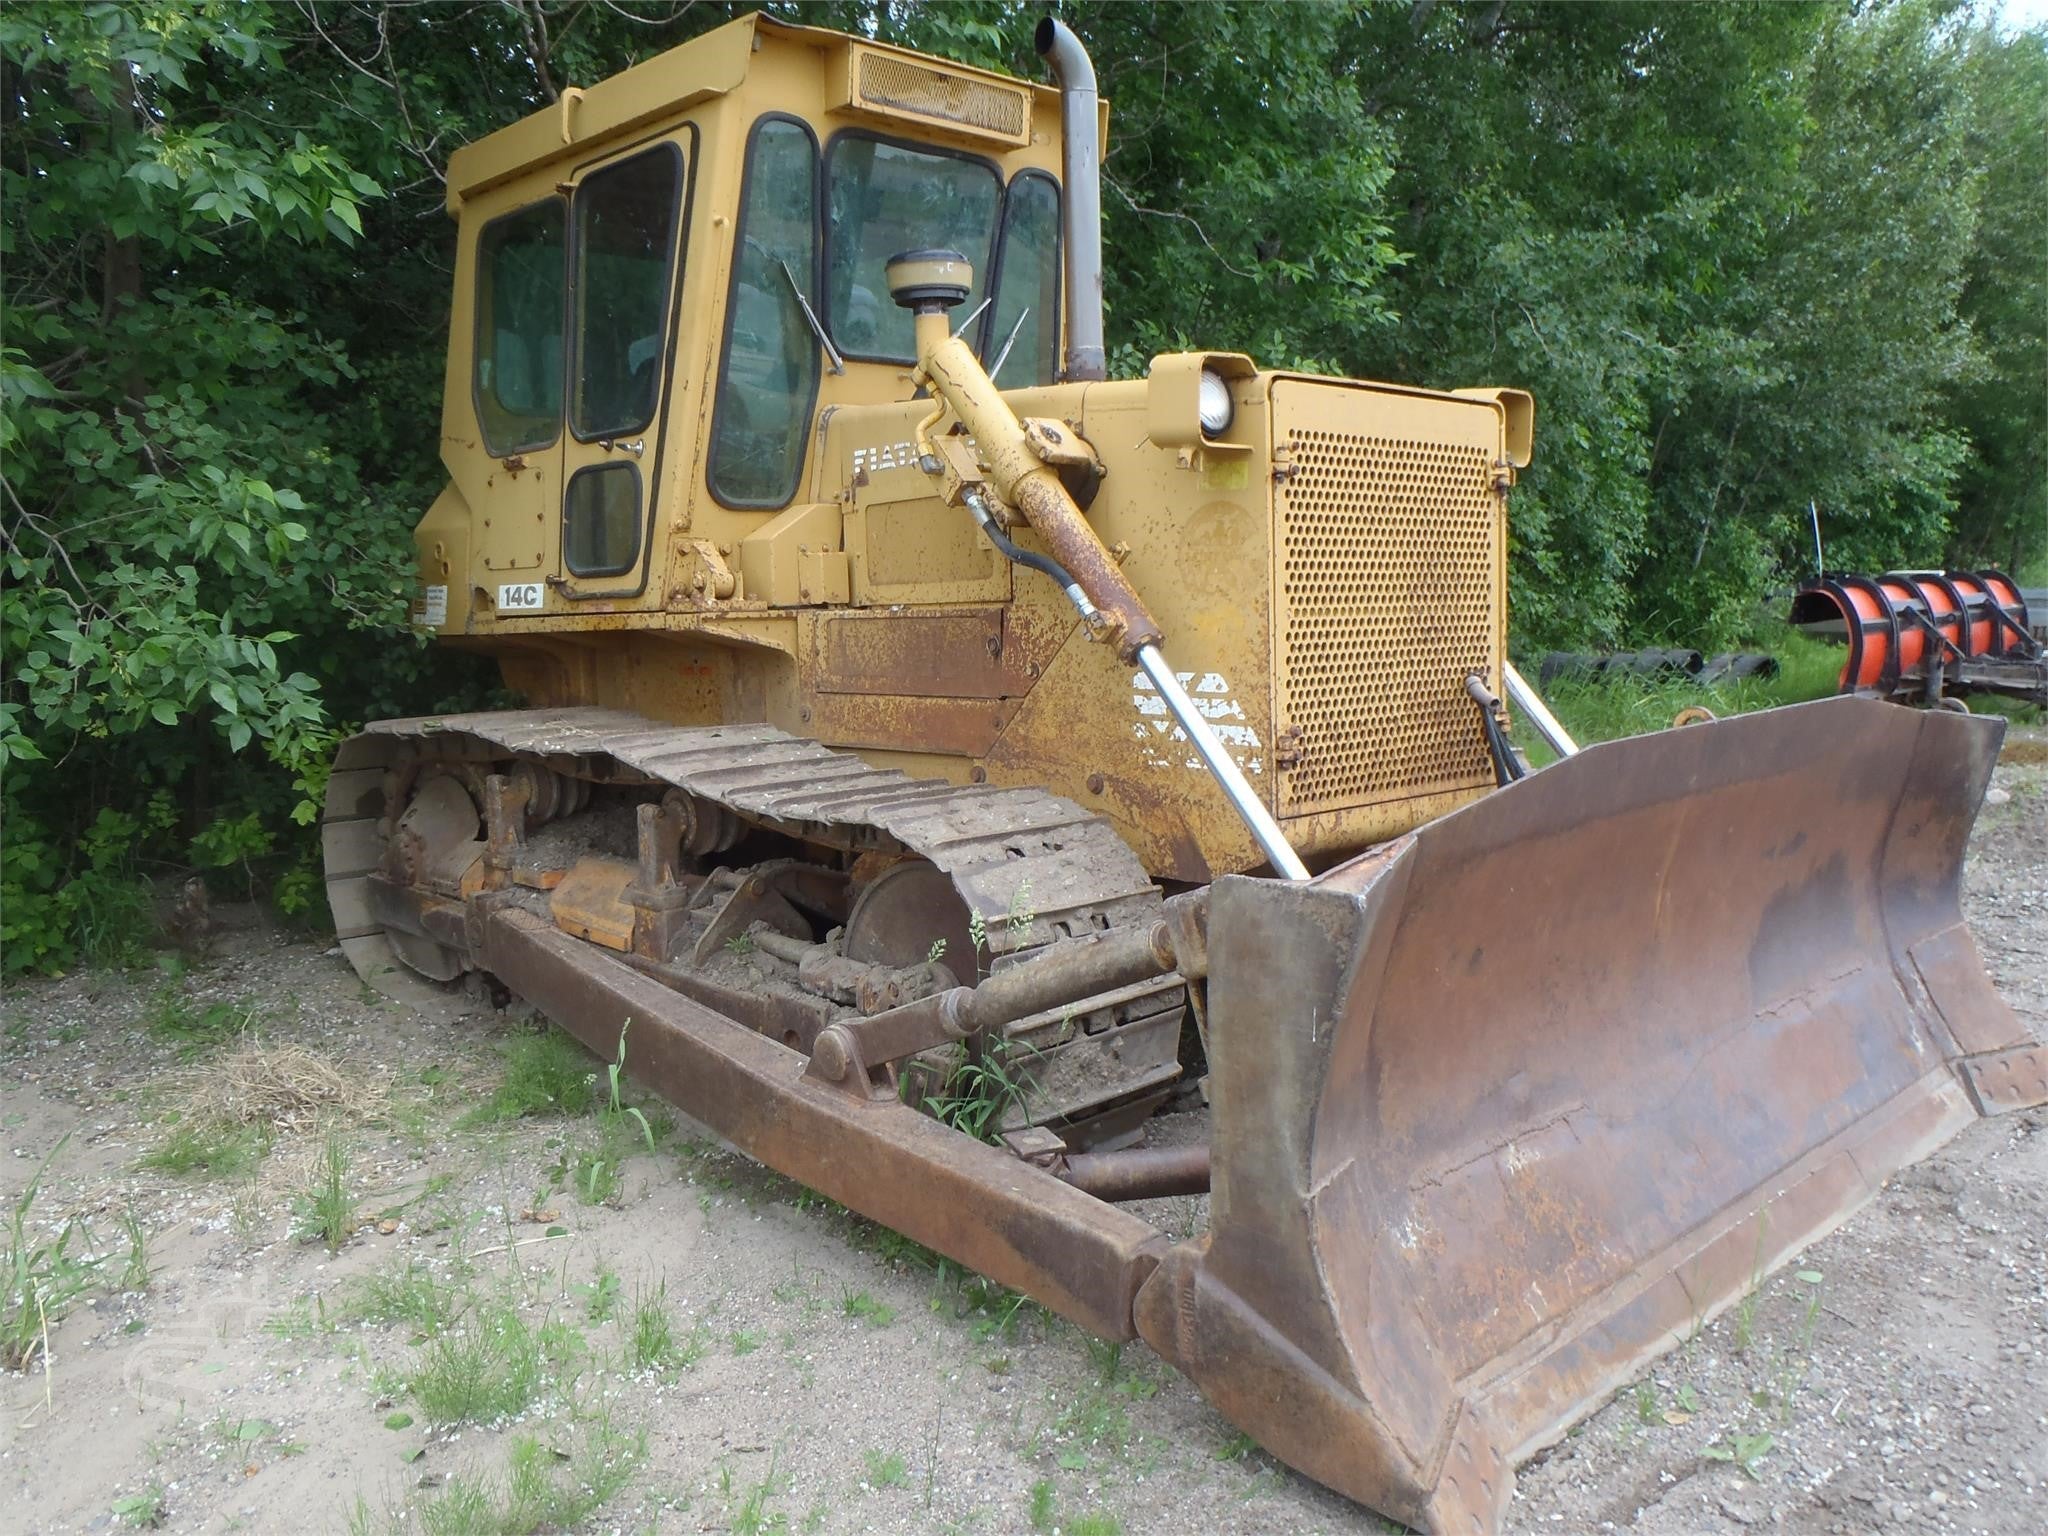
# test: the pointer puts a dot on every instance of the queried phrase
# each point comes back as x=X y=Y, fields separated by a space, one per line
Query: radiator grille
x=1388 y=586
x=898 y=85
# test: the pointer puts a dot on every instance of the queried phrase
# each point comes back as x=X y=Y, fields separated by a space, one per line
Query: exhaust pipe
x=1081 y=198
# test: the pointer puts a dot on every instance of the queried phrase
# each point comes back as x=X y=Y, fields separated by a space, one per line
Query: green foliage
x=883 y=1471
x=197 y=1146
x=41 y=1276
x=545 y=1074
x=91 y=906
x=542 y=1488
x=325 y=1211
x=979 y=1089
x=413 y=1294
x=1606 y=707
x=489 y=1369
x=191 y=530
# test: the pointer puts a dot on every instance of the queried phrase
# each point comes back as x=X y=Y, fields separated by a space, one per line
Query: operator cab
x=670 y=276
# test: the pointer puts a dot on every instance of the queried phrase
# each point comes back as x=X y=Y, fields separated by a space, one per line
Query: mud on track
x=822 y=1376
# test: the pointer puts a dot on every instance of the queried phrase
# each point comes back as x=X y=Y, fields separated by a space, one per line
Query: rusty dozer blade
x=1511 y=1105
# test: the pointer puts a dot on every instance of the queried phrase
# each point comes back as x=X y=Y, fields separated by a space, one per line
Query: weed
x=174 y=1016
x=880 y=1471
x=301 y=1320
x=1603 y=708
x=597 y=1181
x=1745 y=1310
x=545 y=1074
x=1647 y=1410
x=740 y=944
x=1108 y=1357
x=489 y=1369
x=542 y=1489
x=1046 y=1516
x=135 y=1264
x=753 y=1517
x=240 y=1432
x=1096 y=1418
x=1021 y=915
x=613 y=1072
x=600 y=1296
x=746 y=1340
x=412 y=1294
x=326 y=1211
x=196 y=1146
x=1236 y=1448
x=144 y=1510
x=40 y=1278
x=1044 y=1499
x=1745 y=1451
x=977 y=1092
x=653 y=1339
x=863 y=1307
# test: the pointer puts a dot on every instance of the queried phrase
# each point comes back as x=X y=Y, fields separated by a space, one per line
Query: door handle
x=636 y=447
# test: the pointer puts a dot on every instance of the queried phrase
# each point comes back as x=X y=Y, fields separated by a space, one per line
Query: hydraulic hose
x=1018 y=555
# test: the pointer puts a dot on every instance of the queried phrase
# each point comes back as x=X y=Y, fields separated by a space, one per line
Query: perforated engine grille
x=1387 y=548
x=898 y=85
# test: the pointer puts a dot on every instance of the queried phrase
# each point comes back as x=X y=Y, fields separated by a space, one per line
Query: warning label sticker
x=431 y=610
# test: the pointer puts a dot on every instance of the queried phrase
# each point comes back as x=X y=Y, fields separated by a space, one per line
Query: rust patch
x=960 y=655
x=958 y=727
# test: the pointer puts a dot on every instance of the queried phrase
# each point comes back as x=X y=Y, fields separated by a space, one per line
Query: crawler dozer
x=918 y=717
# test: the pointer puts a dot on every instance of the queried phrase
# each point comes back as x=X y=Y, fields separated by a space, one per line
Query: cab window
x=625 y=240
x=1026 y=314
x=518 y=383
x=770 y=374
x=883 y=198
x=601 y=520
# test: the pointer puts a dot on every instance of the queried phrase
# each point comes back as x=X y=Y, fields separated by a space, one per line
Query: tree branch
x=1169 y=213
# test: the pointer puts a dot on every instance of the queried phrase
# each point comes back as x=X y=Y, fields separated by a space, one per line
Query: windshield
x=885 y=198
x=771 y=358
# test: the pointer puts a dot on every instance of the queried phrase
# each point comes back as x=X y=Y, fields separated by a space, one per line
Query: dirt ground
x=817 y=1375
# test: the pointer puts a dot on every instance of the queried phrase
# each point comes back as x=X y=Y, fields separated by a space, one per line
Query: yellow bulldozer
x=919 y=718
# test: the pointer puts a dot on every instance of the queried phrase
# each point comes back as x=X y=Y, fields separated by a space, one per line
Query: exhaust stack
x=1081 y=198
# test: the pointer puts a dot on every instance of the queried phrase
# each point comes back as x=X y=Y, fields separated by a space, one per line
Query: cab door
x=521 y=267
x=625 y=216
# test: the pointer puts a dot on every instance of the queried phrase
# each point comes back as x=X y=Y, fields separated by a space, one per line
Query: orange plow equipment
x=1515 y=1103
x=1916 y=634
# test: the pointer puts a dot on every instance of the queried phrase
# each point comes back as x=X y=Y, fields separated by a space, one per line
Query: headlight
x=1216 y=407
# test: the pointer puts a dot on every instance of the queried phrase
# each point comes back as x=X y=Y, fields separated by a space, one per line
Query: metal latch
x=636 y=447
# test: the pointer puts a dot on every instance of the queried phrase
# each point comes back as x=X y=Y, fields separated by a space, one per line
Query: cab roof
x=713 y=65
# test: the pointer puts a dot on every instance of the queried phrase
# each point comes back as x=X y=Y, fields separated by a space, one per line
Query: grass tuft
x=411 y=1294
x=545 y=1074
x=883 y=1471
x=542 y=1489
x=490 y=1368
x=41 y=1278
x=326 y=1210
x=862 y=1307
x=207 y=1146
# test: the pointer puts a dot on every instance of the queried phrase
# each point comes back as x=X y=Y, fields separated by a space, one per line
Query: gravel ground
x=821 y=1378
